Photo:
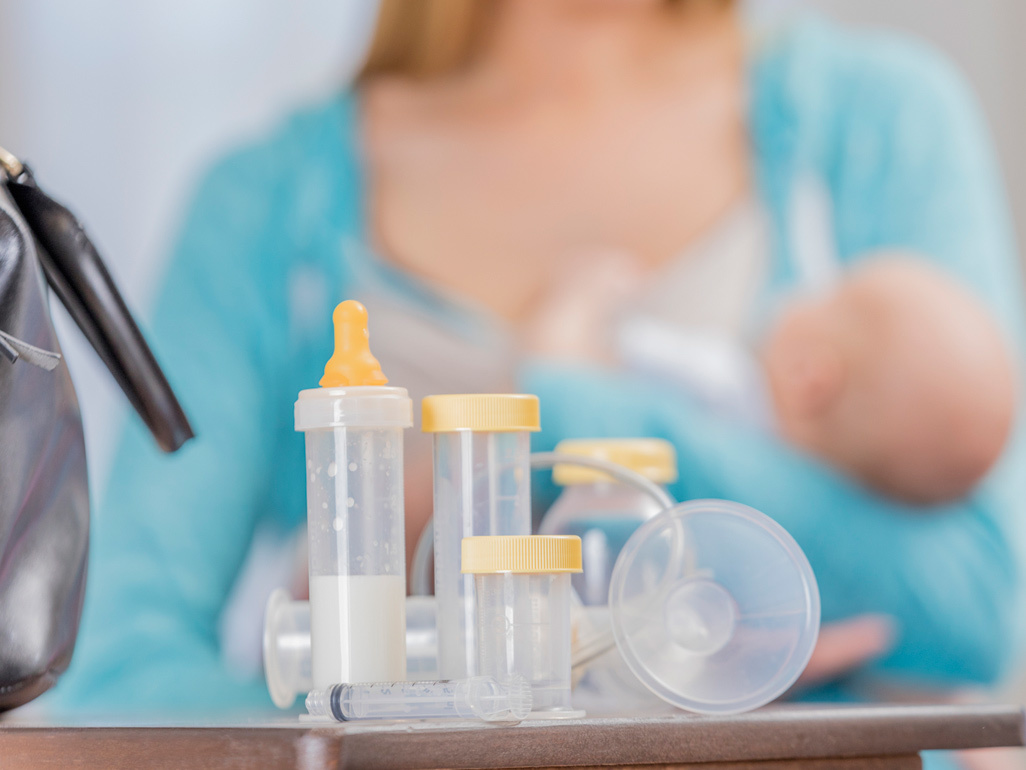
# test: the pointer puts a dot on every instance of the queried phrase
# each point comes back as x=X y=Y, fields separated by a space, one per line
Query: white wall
x=118 y=104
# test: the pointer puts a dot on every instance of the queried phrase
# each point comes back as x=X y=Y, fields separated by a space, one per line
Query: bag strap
x=9 y=164
x=14 y=349
x=78 y=277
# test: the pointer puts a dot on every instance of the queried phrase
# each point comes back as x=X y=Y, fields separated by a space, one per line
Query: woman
x=488 y=149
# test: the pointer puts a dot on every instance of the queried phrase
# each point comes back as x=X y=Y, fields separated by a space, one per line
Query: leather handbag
x=44 y=495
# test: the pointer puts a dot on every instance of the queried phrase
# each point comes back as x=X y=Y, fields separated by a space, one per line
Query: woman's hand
x=573 y=319
x=845 y=645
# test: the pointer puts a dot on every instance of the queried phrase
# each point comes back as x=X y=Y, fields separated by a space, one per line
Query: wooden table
x=794 y=737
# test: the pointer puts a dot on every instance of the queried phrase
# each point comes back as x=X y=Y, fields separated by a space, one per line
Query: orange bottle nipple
x=352 y=363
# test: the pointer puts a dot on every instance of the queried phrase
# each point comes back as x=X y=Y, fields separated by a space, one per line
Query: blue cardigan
x=890 y=130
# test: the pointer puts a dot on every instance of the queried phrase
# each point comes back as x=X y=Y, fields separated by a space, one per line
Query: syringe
x=479 y=697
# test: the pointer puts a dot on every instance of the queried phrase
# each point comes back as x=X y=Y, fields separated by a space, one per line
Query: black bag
x=44 y=496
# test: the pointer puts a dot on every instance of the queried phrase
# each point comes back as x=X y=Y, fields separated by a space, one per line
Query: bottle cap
x=521 y=553
x=653 y=458
x=485 y=412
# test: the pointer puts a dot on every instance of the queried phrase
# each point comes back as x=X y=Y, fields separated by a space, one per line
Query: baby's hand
x=573 y=318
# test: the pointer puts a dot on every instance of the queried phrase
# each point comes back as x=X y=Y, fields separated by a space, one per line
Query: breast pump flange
x=714 y=607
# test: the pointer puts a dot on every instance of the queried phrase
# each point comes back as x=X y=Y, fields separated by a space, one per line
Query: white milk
x=357 y=629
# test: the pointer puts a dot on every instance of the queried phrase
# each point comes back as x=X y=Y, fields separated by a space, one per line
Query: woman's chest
x=491 y=213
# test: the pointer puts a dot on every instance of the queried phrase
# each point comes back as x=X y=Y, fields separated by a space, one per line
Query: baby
x=898 y=376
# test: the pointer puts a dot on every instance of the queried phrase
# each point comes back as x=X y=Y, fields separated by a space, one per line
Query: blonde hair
x=427 y=38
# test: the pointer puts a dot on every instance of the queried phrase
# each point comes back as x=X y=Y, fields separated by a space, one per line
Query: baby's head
x=899 y=377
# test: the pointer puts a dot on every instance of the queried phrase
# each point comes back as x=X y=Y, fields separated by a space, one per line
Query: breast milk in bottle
x=354 y=428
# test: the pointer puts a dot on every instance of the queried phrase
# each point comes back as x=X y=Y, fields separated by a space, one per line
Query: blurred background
x=119 y=105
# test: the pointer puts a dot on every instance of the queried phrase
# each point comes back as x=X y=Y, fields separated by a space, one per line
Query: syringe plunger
x=479 y=697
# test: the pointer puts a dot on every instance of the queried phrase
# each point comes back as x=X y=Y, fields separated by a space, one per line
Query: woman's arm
x=173 y=531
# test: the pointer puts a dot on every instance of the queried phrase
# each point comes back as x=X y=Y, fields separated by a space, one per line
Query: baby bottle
x=354 y=469
x=482 y=486
x=602 y=511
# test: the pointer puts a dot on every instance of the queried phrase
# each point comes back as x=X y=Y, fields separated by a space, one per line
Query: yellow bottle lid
x=521 y=553
x=652 y=458
x=505 y=412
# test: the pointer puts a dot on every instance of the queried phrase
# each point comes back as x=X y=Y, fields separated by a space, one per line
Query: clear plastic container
x=482 y=486
x=714 y=607
x=602 y=511
x=523 y=613
x=355 y=512
x=479 y=697
x=287 y=645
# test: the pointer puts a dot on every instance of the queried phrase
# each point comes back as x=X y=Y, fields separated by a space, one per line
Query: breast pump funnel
x=714 y=607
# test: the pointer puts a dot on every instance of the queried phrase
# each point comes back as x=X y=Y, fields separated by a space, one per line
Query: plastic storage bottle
x=355 y=515
x=604 y=512
x=523 y=613
x=482 y=486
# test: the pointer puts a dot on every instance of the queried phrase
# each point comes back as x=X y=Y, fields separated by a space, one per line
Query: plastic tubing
x=421 y=567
